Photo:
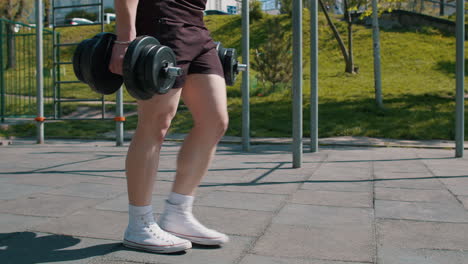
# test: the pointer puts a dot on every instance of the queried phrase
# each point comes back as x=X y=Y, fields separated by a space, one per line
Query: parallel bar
x=119 y=125
x=79 y=25
x=460 y=76
x=297 y=83
x=2 y=76
x=64 y=62
x=245 y=77
x=313 y=76
x=78 y=100
x=65 y=82
x=66 y=44
x=39 y=72
x=75 y=6
x=84 y=119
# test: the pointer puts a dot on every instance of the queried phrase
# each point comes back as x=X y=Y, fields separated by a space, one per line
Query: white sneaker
x=148 y=236
x=179 y=221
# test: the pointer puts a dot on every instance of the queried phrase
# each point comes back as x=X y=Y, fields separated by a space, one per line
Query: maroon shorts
x=193 y=46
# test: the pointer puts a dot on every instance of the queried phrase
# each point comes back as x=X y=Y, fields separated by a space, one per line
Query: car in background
x=214 y=12
x=78 y=21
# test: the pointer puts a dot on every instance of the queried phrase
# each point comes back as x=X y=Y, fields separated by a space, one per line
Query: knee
x=216 y=126
x=156 y=127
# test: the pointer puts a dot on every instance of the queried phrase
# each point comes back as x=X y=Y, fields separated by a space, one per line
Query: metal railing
x=18 y=70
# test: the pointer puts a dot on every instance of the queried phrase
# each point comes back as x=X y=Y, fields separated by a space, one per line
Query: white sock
x=136 y=212
x=177 y=199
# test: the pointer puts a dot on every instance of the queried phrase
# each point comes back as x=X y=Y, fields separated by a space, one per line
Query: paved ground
x=66 y=202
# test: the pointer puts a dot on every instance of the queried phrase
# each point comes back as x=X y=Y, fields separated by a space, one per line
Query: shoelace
x=156 y=231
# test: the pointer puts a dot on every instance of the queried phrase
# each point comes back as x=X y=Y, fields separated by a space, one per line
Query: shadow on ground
x=29 y=247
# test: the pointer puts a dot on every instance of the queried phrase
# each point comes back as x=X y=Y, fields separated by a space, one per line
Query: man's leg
x=205 y=96
x=154 y=118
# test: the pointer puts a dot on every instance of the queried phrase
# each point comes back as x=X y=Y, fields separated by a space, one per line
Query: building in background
x=228 y=6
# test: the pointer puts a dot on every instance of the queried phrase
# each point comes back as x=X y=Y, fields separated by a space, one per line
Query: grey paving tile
x=41 y=179
x=343 y=199
x=464 y=200
x=226 y=254
x=263 y=187
x=14 y=223
x=30 y=247
x=417 y=235
x=46 y=205
x=323 y=216
x=326 y=243
x=339 y=185
x=395 y=194
x=256 y=259
x=442 y=212
x=90 y=190
x=9 y=191
x=426 y=184
x=120 y=203
x=458 y=186
x=88 y=223
x=249 y=201
x=233 y=221
x=417 y=256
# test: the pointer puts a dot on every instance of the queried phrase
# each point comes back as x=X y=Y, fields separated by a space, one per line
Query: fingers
x=116 y=61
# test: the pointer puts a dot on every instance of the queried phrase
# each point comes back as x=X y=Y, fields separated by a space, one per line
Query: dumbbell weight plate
x=77 y=64
x=230 y=66
x=130 y=67
x=95 y=64
x=155 y=76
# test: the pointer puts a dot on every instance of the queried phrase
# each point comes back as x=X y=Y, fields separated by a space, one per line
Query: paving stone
x=14 y=223
x=41 y=179
x=395 y=194
x=458 y=186
x=120 y=203
x=198 y=254
x=263 y=187
x=464 y=200
x=416 y=235
x=417 y=256
x=30 y=247
x=256 y=259
x=9 y=191
x=249 y=201
x=90 y=190
x=233 y=221
x=88 y=223
x=46 y=205
x=343 y=199
x=326 y=243
x=324 y=216
x=442 y=212
x=427 y=184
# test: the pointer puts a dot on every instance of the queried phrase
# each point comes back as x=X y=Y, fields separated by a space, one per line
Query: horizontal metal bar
x=79 y=25
x=63 y=62
x=61 y=82
x=67 y=44
x=78 y=100
x=75 y=6
x=78 y=119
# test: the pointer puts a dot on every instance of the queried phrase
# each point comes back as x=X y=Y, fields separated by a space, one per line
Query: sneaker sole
x=157 y=249
x=201 y=240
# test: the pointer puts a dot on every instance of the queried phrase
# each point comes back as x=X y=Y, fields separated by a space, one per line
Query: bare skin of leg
x=154 y=119
x=205 y=96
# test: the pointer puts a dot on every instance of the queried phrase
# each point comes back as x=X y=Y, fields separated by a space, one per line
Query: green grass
x=418 y=70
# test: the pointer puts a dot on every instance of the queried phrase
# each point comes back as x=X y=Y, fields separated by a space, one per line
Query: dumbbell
x=149 y=68
x=231 y=66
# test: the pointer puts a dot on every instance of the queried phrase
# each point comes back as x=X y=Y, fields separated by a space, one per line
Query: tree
x=349 y=7
x=14 y=10
x=273 y=60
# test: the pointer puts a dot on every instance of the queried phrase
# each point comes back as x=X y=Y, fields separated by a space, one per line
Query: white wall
x=221 y=5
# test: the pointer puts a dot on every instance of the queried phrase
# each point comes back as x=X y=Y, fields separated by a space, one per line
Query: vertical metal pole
x=297 y=83
x=376 y=42
x=119 y=125
x=39 y=73
x=101 y=18
x=2 y=75
x=245 y=77
x=460 y=76
x=313 y=76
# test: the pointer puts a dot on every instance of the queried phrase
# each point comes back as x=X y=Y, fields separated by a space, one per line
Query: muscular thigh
x=205 y=96
x=160 y=106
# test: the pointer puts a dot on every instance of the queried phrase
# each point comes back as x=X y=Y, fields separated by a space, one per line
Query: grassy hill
x=418 y=66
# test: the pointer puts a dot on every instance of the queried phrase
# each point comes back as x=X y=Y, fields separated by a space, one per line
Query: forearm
x=125 y=11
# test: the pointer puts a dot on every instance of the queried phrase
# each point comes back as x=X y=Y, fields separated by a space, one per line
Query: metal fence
x=18 y=70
